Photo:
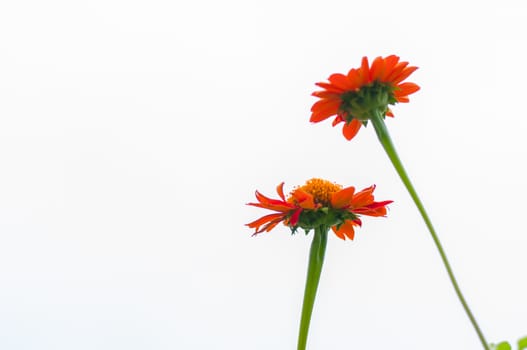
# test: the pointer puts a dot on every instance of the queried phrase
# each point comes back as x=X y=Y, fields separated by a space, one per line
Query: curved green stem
x=384 y=137
x=316 y=259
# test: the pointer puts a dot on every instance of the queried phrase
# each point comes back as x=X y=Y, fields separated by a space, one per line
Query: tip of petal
x=349 y=130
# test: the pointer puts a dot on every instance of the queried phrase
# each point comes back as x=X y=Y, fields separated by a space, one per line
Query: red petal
x=294 y=218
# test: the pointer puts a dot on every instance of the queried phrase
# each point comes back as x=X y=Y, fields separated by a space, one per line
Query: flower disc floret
x=318 y=203
x=320 y=189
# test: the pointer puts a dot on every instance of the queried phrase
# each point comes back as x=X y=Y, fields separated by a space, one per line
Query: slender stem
x=384 y=138
x=316 y=260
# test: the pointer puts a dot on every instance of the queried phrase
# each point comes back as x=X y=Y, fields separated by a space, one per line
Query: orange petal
x=267 y=219
x=363 y=73
x=363 y=197
x=272 y=204
x=341 y=81
x=373 y=209
x=282 y=208
x=280 y=191
x=346 y=229
x=338 y=119
x=342 y=198
x=269 y=226
x=396 y=71
x=404 y=74
x=330 y=87
x=303 y=199
x=324 y=109
x=406 y=89
x=389 y=63
x=339 y=234
x=381 y=211
x=351 y=129
x=326 y=94
x=377 y=68
x=364 y=65
x=354 y=78
x=325 y=103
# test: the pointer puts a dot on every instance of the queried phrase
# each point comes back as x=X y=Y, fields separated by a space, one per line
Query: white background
x=132 y=133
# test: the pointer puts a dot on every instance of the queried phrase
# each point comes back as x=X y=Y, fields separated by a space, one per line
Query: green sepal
x=325 y=216
x=370 y=99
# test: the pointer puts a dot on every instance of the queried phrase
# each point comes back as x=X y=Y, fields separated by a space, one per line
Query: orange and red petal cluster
x=360 y=203
x=287 y=212
x=281 y=206
x=346 y=229
x=388 y=70
x=345 y=200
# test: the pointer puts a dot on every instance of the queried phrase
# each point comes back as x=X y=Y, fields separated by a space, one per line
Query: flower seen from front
x=318 y=203
x=352 y=98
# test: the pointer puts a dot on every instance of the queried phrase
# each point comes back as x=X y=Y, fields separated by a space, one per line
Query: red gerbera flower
x=318 y=203
x=363 y=91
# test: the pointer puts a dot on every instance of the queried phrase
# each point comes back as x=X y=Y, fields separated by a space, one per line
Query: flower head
x=318 y=203
x=363 y=91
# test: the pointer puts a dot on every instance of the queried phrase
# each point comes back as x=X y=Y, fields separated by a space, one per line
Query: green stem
x=316 y=260
x=384 y=137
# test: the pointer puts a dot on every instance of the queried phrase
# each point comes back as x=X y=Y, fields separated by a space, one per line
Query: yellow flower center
x=321 y=190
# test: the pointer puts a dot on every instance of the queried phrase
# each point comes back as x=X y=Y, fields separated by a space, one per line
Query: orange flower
x=363 y=91
x=318 y=203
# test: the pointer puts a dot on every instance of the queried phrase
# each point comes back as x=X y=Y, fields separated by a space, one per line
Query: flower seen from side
x=318 y=203
x=353 y=97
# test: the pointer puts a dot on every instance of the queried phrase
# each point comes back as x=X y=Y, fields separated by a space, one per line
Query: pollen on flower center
x=321 y=190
